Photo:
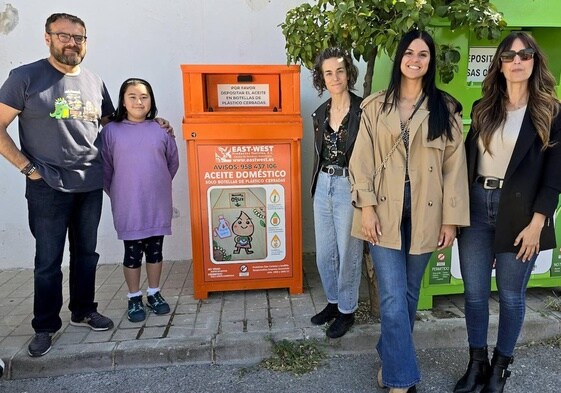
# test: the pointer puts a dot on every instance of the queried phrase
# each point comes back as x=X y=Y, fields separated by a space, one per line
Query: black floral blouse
x=334 y=142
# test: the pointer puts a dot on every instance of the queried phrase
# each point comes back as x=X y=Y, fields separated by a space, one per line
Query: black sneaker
x=94 y=321
x=327 y=314
x=341 y=325
x=40 y=345
x=157 y=303
x=135 y=312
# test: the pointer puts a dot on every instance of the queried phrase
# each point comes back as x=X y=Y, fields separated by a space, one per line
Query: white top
x=494 y=161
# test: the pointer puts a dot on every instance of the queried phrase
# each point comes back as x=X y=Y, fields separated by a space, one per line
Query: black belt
x=490 y=183
x=335 y=171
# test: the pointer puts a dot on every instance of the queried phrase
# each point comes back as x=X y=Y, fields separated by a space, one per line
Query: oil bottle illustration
x=223 y=229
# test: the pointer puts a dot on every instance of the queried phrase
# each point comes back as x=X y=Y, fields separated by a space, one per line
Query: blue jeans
x=477 y=255
x=53 y=214
x=399 y=276
x=338 y=254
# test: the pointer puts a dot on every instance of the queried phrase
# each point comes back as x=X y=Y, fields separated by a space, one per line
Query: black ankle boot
x=327 y=314
x=341 y=325
x=499 y=373
x=477 y=373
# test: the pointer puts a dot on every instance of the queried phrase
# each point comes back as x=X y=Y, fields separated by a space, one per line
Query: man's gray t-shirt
x=59 y=123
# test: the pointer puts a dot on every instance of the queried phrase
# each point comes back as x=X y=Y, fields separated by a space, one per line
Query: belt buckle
x=330 y=170
x=491 y=183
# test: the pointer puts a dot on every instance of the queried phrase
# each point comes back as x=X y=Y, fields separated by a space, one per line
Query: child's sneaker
x=135 y=312
x=157 y=303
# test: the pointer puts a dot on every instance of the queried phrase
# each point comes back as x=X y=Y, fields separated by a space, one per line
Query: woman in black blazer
x=338 y=254
x=514 y=161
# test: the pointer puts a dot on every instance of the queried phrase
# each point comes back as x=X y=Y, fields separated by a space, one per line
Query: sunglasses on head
x=524 y=54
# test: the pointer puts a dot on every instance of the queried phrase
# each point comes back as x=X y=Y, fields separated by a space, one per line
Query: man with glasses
x=60 y=106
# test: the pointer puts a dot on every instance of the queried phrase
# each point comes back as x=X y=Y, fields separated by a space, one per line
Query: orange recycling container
x=243 y=131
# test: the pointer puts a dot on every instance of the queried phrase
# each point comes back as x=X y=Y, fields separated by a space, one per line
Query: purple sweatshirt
x=139 y=163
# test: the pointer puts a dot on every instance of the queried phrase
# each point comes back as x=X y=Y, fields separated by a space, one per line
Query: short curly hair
x=317 y=72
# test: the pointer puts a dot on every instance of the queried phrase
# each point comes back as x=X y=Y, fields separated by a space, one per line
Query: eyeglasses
x=65 y=37
x=524 y=54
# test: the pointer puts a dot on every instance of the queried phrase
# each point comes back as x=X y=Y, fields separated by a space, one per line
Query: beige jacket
x=437 y=169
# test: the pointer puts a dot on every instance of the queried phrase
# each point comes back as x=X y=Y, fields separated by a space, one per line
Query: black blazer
x=532 y=183
x=318 y=118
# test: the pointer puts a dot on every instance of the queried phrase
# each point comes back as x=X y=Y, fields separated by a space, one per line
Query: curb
x=248 y=348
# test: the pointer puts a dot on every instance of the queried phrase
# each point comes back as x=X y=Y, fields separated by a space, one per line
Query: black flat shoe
x=341 y=325
x=327 y=314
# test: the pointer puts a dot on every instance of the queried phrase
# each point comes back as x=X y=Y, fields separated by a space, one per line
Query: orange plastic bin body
x=243 y=131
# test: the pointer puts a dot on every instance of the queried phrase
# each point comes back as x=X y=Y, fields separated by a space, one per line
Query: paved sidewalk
x=228 y=327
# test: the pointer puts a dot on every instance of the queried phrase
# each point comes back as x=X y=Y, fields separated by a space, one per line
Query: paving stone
x=233 y=315
x=126 y=334
x=10 y=301
x=99 y=337
x=186 y=299
x=303 y=321
x=157 y=320
x=5 y=330
x=258 y=326
x=256 y=314
x=232 y=326
x=71 y=338
x=23 y=308
x=280 y=313
x=152 y=332
x=237 y=304
x=186 y=308
x=283 y=324
x=187 y=320
x=177 y=332
x=253 y=303
x=208 y=321
x=11 y=345
x=12 y=320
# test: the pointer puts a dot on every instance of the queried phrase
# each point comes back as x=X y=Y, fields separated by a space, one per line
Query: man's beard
x=72 y=60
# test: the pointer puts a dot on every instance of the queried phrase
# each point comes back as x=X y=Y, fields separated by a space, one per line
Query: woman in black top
x=338 y=255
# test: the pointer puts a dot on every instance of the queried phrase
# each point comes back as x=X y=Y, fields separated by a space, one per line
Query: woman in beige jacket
x=410 y=189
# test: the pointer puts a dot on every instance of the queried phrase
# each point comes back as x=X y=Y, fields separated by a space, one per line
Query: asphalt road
x=536 y=369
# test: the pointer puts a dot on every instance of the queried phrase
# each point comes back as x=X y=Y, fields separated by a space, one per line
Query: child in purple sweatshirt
x=140 y=160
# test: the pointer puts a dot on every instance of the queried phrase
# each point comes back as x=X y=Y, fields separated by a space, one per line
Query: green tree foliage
x=366 y=27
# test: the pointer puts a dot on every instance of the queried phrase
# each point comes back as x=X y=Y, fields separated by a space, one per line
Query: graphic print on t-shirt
x=72 y=107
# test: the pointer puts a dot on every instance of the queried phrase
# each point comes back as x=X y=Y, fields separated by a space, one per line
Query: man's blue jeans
x=338 y=254
x=53 y=214
x=477 y=255
x=399 y=276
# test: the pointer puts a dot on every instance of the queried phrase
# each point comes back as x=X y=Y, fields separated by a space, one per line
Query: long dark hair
x=120 y=113
x=490 y=113
x=317 y=72
x=439 y=102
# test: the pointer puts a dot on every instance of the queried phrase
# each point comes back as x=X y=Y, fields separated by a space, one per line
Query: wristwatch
x=29 y=169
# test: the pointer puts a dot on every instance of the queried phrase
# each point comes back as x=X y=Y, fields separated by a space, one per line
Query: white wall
x=148 y=39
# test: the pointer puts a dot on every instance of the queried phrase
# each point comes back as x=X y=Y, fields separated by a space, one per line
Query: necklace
x=403 y=102
x=341 y=108
x=514 y=107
